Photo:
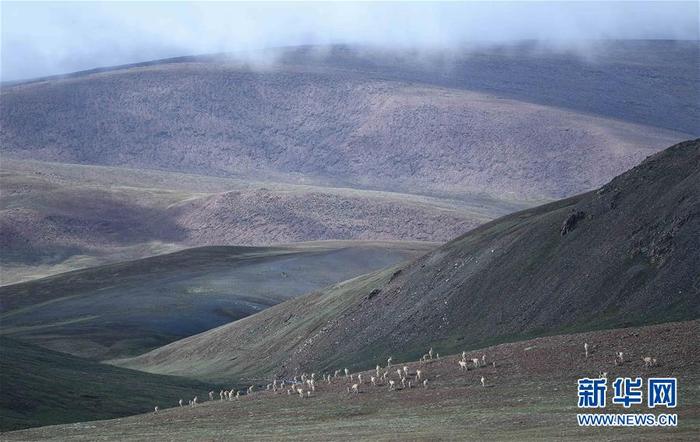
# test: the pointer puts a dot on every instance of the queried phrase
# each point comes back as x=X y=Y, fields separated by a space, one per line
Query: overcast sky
x=46 y=38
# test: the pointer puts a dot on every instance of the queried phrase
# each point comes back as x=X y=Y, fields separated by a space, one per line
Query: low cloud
x=41 y=39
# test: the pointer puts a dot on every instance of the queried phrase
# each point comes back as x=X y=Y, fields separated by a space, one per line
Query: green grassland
x=127 y=308
x=43 y=387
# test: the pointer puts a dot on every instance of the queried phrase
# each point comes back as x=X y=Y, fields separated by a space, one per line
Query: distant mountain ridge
x=360 y=119
x=487 y=66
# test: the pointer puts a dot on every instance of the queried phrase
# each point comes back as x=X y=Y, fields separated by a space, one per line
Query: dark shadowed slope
x=626 y=254
x=128 y=308
x=43 y=387
x=340 y=122
x=60 y=217
x=529 y=395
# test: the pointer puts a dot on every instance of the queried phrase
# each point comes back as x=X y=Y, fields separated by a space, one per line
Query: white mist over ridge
x=40 y=39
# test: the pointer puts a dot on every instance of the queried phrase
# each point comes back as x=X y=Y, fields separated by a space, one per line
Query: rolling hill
x=626 y=254
x=476 y=123
x=43 y=387
x=61 y=217
x=130 y=307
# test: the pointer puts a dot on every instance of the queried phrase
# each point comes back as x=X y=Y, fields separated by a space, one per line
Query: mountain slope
x=43 y=387
x=341 y=122
x=127 y=308
x=623 y=255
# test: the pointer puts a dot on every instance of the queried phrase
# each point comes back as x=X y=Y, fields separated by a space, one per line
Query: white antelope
x=649 y=361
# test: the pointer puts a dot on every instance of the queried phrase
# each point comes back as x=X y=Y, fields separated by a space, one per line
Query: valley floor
x=530 y=394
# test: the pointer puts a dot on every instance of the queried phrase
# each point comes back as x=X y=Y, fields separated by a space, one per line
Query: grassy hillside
x=43 y=387
x=128 y=308
x=529 y=395
x=60 y=217
x=377 y=122
x=624 y=255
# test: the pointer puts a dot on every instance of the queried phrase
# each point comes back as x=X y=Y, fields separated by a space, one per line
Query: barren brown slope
x=264 y=217
x=623 y=255
x=58 y=217
x=343 y=125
